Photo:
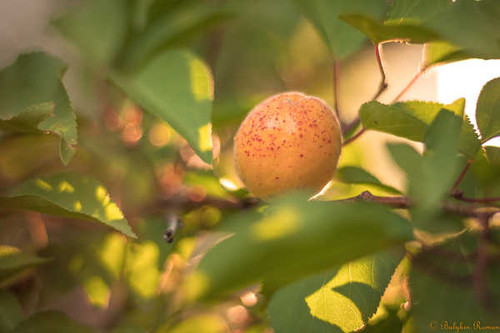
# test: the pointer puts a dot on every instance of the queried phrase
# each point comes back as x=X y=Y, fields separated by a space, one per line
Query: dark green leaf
x=23 y=155
x=177 y=87
x=396 y=30
x=13 y=262
x=341 y=300
x=430 y=176
x=341 y=39
x=437 y=53
x=97 y=27
x=468 y=142
x=11 y=312
x=295 y=238
x=357 y=175
x=51 y=322
x=493 y=154
x=33 y=98
x=473 y=26
x=70 y=195
x=488 y=110
x=170 y=30
x=407 y=119
x=441 y=145
x=443 y=290
x=419 y=10
x=411 y=119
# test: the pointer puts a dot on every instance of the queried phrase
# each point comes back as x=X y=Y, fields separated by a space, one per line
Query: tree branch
x=404 y=202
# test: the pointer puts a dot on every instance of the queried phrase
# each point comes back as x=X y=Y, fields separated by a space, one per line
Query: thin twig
x=185 y=203
x=409 y=85
x=381 y=88
x=383 y=81
x=460 y=196
x=354 y=137
x=460 y=177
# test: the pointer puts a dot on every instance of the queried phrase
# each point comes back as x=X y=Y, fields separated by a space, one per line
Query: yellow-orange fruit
x=290 y=141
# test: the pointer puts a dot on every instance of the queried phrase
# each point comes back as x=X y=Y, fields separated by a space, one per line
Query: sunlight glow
x=228 y=184
x=465 y=79
x=281 y=223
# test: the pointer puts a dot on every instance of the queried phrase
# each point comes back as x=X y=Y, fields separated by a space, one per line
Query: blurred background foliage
x=60 y=274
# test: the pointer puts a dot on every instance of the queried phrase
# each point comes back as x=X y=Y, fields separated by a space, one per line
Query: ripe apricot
x=290 y=141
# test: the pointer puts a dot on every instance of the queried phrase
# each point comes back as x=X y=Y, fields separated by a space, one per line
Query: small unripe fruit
x=288 y=142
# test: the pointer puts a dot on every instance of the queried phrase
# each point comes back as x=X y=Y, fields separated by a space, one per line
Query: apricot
x=288 y=142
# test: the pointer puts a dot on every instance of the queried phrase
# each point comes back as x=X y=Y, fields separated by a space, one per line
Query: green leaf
x=473 y=26
x=11 y=312
x=13 y=264
x=293 y=239
x=341 y=39
x=411 y=119
x=177 y=87
x=392 y=30
x=97 y=27
x=493 y=154
x=443 y=290
x=51 y=322
x=430 y=176
x=468 y=142
x=406 y=119
x=33 y=99
x=488 y=110
x=174 y=27
x=419 y=10
x=437 y=53
x=357 y=175
x=341 y=300
x=389 y=323
x=24 y=155
x=69 y=195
